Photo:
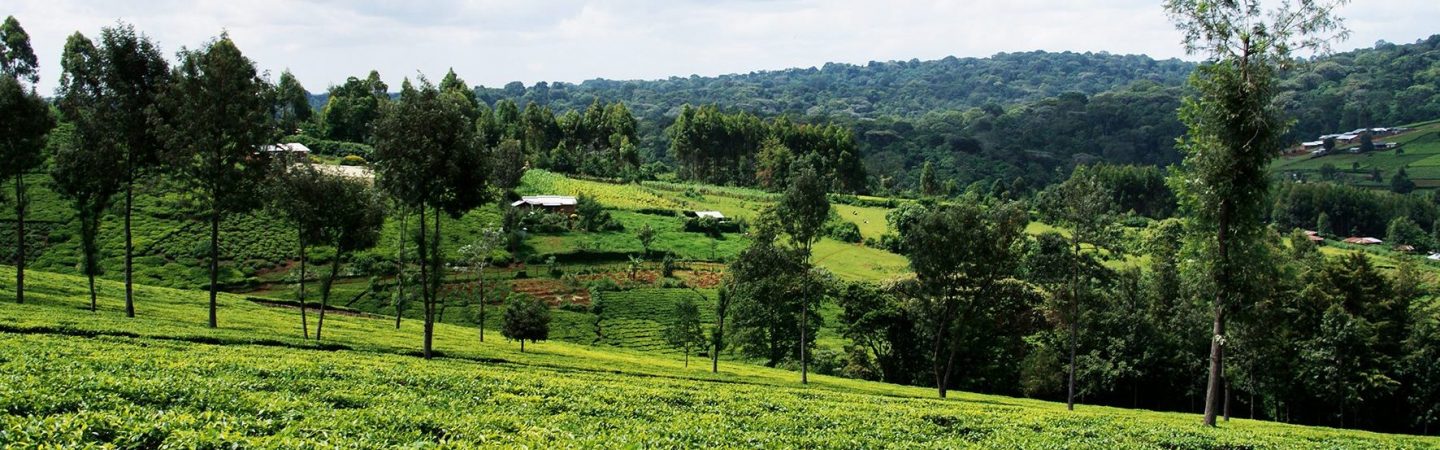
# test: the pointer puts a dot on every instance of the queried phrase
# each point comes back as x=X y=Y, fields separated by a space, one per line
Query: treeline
x=597 y=140
x=1383 y=86
x=716 y=147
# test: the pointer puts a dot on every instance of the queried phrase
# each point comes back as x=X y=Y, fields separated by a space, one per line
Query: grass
x=72 y=378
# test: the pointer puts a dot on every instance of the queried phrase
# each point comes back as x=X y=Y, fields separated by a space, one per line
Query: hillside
x=1418 y=153
x=71 y=379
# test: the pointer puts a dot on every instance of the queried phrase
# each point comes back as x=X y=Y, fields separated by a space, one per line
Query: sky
x=492 y=42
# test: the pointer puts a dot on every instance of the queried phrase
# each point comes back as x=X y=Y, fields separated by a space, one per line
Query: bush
x=333 y=148
x=711 y=226
x=667 y=266
x=353 y=160
x=843 y=231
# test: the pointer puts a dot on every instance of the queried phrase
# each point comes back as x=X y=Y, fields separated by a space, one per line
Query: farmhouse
x=551 y=203
x=1313 y=236
x=1363 y=241
x=706 y=214
x=290 y=148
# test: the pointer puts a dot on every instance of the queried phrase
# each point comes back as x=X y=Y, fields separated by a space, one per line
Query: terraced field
x=1419 y=155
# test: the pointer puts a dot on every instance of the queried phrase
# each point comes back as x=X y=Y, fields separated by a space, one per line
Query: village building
x=550 y=203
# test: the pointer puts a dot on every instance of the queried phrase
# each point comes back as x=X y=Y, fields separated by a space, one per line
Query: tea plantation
x=72 y=378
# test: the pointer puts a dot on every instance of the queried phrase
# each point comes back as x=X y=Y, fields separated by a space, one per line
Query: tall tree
x=928 y=184
x=960 y=253
x=214 y=118
x=430 y=158
x=353 y=214
x=292 y=103
x=295 y=194
x=717 y=332
x=683 y=332
x=82 y=168
x=133 y=75
x=22 y=133
x=1234 y=129
x=353 y=107
x=1086 y=211
x=805 y=208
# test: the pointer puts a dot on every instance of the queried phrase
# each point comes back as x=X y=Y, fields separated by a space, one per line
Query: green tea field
x=73 y=378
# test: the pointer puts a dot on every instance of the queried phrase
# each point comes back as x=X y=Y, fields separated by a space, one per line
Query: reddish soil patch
x=701 y=279
x=553 y=292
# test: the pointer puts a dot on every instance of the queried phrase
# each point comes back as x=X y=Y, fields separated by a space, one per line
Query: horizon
x=491 y=43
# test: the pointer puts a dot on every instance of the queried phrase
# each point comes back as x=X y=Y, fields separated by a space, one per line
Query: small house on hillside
x=1313 y=236
x=549 y=203
x=294 y=148
x=706 y=215
x=1363 y=241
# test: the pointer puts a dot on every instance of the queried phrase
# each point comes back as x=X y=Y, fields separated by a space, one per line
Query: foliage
x=739 y=148
x=684 y=332
x=526 y=318
x=353 y=107
x=593 y=216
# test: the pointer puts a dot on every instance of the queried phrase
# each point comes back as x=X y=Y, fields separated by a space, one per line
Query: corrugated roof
x=545 y=200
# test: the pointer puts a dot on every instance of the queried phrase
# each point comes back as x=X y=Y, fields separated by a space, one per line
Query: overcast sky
x=492 y=42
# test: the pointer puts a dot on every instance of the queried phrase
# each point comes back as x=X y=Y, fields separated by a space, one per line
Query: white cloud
x=491 y=42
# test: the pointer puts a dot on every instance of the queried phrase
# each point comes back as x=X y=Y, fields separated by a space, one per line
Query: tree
x=351 y=213
x=214 y=118
x=526 y=317
x=769 y=282
x=82 y=167
x=1086 y=210
x=646 y=235
x=960 y=253
x=134 y=76
x=477 y=256
x=1234 y=130
x=295 y=194
x=805 y=208
x=929 y=186
x=292 y=103
x=17 y=59
x=876 y=319
x=1404 y=231
x=683 y=332
x=509 y=164
x=353 y=107
x=429 y=158
x=22 y=133
x=1322 y=224
x=1400 y=183
x=717 y=332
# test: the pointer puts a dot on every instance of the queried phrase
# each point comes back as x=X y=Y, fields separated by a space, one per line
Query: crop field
x=69 y=377
x=1419 y=155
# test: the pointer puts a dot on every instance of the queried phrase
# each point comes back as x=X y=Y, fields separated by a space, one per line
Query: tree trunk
x=20 y=238
x=129 y=243
x=325 y=289
x=481 y=325
x=1074 y=317
x=400 y=273
x=304 y=321
x=1222 y=277
x=214 y=264
x=1227 y=400
x=804 y=323
x=87 y=231
x=522 y=345
x=687 y=358
x=424 y=289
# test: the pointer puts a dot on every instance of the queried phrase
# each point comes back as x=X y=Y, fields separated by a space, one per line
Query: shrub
x=353 y=160
x=843 y=231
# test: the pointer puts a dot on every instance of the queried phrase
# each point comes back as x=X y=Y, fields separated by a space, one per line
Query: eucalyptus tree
x=295 y=194
x=214 y=118
x=292 y=103
x=1086 y=210
x=82 y=168
x=26 y=121
x=133 y=74
x=1235 y=128
x=805 y=208
x=430 y=159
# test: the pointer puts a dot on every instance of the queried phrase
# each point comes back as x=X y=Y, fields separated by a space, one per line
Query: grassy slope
x=1421 y=159
x=164 y=378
